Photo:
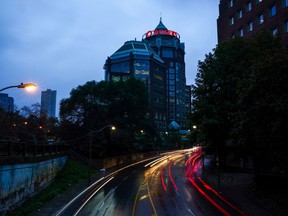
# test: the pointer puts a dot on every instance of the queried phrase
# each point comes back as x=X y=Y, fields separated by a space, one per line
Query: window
x=121 y=67
x=231 y=20
x=286 y=27
x=274 y=31
x=273 y=10
x=158 y=42
x=285 y=3
x=249 y=6
x=239 y=14
x=241 y=32
x=167 y=53
x=171 y=82
x=250 y=26
x=230 y=3
x=260 y=19
x=141 y=68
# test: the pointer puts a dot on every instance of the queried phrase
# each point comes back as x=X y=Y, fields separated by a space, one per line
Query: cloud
x=63 y=44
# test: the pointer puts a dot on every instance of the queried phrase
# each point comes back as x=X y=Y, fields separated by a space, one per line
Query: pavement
x=233 y=186
x=237 y=187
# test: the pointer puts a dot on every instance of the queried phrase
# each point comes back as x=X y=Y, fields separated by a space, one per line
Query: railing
x=25 y=149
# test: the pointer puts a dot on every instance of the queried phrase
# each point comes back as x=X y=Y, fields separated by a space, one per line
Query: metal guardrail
x=12 y=148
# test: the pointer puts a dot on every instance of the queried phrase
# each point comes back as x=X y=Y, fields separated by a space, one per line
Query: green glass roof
x=161 y=25
x=137 y=48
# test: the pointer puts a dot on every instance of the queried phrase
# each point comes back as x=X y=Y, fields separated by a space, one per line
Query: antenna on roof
x=160 y=16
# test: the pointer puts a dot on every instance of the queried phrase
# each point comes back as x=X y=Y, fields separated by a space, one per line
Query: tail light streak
x=190 y=172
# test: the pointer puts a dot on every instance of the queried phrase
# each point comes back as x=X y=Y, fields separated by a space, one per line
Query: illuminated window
x=115 y=78
x=231 y=20
x=241 y=32
x=249 y=6
x=274 y=31
x=285 y=3
x=239 y=14
x=273 y=10
x=250 y=26
x=230 y=3
x=286 y=27
x=141 y=68
x=261 y=19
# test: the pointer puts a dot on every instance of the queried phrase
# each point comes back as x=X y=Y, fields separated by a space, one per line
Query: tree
x=94 y=105
x=26 y=125
x=240 y=95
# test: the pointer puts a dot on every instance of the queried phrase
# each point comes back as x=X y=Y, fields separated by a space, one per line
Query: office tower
x=6 y=102
x=136 y=58
x=158 y=60
x=48 y=102
x=166 y=43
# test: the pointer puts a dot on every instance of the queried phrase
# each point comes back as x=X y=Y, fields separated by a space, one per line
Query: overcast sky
x=61 y=44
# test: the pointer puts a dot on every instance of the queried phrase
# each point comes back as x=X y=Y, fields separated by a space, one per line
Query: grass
x=73 y=172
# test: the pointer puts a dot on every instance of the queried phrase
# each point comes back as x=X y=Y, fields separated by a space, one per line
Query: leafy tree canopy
x=94 y=105
x=240 y=95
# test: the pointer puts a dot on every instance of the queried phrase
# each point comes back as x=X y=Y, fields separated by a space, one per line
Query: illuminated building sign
x=161 y=32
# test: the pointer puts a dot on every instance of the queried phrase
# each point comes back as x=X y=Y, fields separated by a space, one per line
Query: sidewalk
x=236 y=187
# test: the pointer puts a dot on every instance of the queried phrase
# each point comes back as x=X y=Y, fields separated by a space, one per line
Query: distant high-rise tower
x=6 y=102
x=48 y=102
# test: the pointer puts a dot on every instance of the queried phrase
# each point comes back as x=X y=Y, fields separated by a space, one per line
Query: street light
x=90 y=145
x=28 y=86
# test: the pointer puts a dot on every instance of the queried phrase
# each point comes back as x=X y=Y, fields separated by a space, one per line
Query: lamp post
x=90 y=145
x=27 y=86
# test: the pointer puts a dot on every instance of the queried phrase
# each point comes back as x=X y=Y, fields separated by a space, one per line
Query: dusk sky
x=61 y=44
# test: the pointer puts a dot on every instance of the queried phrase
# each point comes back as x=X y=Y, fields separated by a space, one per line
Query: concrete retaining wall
x=107 y=163
x=18 y=182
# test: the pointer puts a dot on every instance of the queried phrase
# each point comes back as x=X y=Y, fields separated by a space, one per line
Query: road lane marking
x=87 y=200
x=66 y=206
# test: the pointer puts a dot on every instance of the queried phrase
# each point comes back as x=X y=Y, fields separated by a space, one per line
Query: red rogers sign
x=162 y=32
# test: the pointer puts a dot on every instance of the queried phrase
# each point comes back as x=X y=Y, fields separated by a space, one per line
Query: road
x=168 y=185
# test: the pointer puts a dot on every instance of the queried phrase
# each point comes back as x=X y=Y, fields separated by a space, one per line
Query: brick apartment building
x=246 y=17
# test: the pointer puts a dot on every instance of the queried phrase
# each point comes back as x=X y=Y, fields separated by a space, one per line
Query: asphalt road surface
x=168 y=185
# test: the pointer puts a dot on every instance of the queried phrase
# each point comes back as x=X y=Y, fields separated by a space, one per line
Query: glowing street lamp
x=28 y=86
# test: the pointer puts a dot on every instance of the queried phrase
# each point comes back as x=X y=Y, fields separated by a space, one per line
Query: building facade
x=136 y=58
x=245 y=18
x=48 y=102
x=166 y=43
x=6 y=102
x=158 y=60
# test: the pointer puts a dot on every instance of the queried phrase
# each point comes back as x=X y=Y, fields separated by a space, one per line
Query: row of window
x=249 y=4
x=250 y=28
x=239 y=15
